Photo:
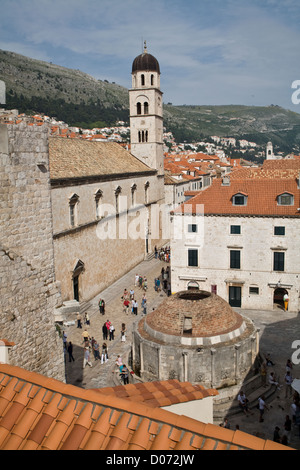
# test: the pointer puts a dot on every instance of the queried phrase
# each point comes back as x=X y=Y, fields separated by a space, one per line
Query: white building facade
x=247 y=254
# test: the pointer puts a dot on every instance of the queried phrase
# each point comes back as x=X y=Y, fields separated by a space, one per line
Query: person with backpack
x=125 y=375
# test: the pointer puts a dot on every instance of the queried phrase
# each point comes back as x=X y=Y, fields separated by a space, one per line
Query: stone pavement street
x=103 y=375
x=278 y=330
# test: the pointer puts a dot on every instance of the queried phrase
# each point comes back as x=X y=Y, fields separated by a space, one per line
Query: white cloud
x=236 y=47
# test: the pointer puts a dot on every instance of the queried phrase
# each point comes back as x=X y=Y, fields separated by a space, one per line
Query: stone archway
x=77 y=271
x=279 y=292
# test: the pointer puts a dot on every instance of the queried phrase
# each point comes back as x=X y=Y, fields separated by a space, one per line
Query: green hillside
x=34 y=86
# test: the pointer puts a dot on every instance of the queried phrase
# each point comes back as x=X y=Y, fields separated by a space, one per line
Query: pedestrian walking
x=225 y=424
x=269 y=360
x=85 y=336
x=273 y=381
x=125 y=374
x=101 y=307
x=288 y=428
x=289 y=366
x=135 y=307
x=126 y=304
x=119 y=361
x=263 y=374
x=243 y=403
x=87 y=357
x=70 y=352
x=64 y=335
x=288 y=379
x=123 y=333
x=86 y=319
x=131 y=294
x=125 y=294
x=262 y=406
x=286 y=301
x=104 y=353
x=104 y=331
x=79 y=324
x=96 y=351
x=111 y=332
x=108 y=323
x=136 y=280
x=144 y=305
x=276 y=436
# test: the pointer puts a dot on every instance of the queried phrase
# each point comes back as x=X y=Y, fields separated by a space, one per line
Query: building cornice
x=81 y=180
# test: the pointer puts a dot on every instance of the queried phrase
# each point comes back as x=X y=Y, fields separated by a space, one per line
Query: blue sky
x=210 y=51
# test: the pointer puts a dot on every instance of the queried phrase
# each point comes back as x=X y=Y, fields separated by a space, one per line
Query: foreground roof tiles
x=40 y=413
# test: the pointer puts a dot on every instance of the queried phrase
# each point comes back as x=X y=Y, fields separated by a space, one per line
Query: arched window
x=118 y=191
x=98 y=198
x=133 y=194
x=73 y=202
x=147 y=184
x=138 y=108
x=152 y=79
x=146 y=108
x=143 y=79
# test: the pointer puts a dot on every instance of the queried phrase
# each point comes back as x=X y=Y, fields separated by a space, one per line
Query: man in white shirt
x=261 y=406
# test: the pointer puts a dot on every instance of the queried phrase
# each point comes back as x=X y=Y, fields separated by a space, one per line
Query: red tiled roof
x=160 y=393
x=40 y=413
x=262 y=197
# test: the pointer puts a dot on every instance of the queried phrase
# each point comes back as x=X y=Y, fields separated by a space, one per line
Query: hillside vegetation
x=79 y=99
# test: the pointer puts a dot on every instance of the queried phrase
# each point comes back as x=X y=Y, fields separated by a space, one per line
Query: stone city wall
x=28 y=290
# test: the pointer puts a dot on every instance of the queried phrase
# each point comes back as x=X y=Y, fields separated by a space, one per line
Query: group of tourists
x=283 y=435
x=163 y=282
x=163 y=254
x=130 y=304
x=92 y=346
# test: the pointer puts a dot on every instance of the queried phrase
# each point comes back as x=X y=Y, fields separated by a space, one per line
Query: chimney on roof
x=226 y=180
x=5 y=347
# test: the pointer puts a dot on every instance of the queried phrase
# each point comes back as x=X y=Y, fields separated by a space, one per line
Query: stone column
x=185 y=367
x=237 y=357
x=141 y=360
x=212 y=373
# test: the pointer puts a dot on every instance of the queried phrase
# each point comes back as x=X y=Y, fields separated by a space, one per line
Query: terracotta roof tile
x=75 y=158
x=160 y=393
x=262 y=198
x=41 y=413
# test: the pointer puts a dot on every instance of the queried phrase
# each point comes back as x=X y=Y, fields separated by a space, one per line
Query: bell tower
x=146 y=112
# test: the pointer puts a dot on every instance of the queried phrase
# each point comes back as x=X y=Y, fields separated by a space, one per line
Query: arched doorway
x=193 y=285
x=279 y=292
x=78 y=269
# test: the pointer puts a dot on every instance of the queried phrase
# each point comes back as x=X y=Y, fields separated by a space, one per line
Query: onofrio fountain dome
x=194 y=336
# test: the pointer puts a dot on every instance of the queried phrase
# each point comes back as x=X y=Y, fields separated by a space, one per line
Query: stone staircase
x=226 y=403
